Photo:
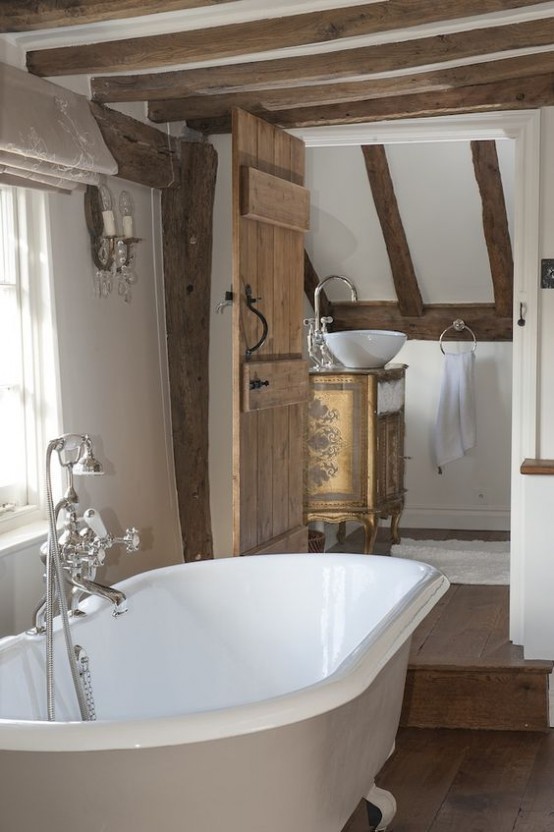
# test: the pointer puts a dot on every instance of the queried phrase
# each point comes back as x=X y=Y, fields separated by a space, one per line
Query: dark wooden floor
x=448 y=780
x=452 y=780
x=355 y=541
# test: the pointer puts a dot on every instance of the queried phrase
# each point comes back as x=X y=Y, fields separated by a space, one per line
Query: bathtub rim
x=349 y=680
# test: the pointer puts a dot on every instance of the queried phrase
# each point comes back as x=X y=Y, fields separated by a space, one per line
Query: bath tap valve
x=131 y=540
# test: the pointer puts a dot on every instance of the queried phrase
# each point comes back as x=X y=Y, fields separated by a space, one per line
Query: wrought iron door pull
x=250 y=301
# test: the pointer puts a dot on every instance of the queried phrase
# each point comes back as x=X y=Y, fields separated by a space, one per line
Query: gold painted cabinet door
x=270 y=216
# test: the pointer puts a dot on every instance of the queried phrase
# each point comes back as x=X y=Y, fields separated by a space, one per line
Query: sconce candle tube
x=109 y=223
x=127 y=227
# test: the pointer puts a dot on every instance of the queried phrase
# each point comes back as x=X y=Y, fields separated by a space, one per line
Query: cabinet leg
x=341 y=532
x=394 y=524
x=370 y=527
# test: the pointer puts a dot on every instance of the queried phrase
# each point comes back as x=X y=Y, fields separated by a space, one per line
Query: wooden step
x=465 y=673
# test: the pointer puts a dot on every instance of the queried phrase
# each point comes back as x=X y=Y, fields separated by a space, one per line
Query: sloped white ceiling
x=440 y=207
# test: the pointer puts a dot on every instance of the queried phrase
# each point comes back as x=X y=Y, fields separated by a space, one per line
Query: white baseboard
x=488 y=518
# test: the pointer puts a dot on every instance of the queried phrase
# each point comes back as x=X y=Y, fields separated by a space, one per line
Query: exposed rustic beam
x=187 y=213
x=255 y=36
x=27 y=15
x=481 y=318
x=495 y=224
x=329 y=66
x=311 y=280
x=200 y=106
x=386 y=205
x=520 y=94
x=143 y=153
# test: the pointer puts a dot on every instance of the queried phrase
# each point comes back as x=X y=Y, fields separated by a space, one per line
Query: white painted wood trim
x=525 y=350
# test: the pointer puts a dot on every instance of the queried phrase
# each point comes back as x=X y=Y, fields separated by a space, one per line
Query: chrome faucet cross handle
x=131 y=539
x=104 y=540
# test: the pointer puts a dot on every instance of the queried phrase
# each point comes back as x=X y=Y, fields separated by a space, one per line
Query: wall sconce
x=113 y=253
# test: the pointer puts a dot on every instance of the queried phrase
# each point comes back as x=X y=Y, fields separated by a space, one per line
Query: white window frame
x=41 y=404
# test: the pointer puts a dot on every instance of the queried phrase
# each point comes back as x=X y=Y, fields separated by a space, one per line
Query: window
x=28 y=388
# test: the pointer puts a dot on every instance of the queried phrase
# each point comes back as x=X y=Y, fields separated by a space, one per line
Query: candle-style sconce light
x=113 y=253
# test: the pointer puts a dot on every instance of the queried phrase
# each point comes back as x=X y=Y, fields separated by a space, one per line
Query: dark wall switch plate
x=547 y=274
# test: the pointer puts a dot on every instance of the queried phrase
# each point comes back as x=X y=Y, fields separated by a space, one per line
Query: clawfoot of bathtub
x=381 y=808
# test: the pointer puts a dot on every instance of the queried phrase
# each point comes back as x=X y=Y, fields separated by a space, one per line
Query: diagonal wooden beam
x=386 y=205
x=435 y=318
x=519 y=94
x=311 y=279
x=330 y=66
x=27 y=15
x=495 y=224
x=263 y=101
x=143 y=153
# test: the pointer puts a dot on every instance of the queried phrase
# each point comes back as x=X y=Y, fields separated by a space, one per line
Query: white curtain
x=48 y=136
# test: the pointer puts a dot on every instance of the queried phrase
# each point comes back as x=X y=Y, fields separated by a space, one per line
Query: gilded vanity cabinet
x=355 y=448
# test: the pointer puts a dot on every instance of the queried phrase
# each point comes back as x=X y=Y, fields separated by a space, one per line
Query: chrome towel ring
x=458 y=325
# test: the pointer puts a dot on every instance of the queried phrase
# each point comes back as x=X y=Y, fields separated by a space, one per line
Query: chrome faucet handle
x=131 y=539
x=94 y=521
x=326 y=319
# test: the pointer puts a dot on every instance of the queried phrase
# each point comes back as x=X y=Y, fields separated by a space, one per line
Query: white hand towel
x=455 y=425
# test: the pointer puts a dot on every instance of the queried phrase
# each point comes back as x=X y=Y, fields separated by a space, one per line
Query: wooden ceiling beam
x=386 y=205
x=481 y=318
x=519 y=94
x=495 y=224
x=28 y=15
x=261 y=101
x=323 y=67
x=257 y=36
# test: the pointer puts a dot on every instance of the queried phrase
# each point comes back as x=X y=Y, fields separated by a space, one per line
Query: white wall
x=113 y=372
x=537 y=574
x=473 y=492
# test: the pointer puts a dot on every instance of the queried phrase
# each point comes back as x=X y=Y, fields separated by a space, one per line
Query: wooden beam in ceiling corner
x=321 y=67
x=386 y=205
x=25 y=16
x=144 y=154
x=495 y=224
x=214 y=43
x=518 y=94
x=201 y=106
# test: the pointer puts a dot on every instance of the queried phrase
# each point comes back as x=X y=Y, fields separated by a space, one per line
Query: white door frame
x=524 y=128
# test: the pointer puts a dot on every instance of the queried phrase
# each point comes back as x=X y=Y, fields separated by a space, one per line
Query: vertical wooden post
x=187 y=214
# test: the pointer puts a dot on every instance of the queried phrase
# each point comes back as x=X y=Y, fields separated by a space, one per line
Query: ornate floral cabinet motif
x=355 y=448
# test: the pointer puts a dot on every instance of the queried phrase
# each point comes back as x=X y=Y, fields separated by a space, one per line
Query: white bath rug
x=462 y=561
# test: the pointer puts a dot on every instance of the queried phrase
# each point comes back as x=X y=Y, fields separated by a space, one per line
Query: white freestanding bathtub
x=256 y=694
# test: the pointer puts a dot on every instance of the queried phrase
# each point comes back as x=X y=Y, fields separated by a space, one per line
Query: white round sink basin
x=365 y=348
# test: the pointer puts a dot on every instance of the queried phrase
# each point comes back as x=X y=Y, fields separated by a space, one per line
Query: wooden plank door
x=270 y=216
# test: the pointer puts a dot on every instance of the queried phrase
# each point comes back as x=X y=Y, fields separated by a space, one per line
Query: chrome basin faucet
x=317 y=326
